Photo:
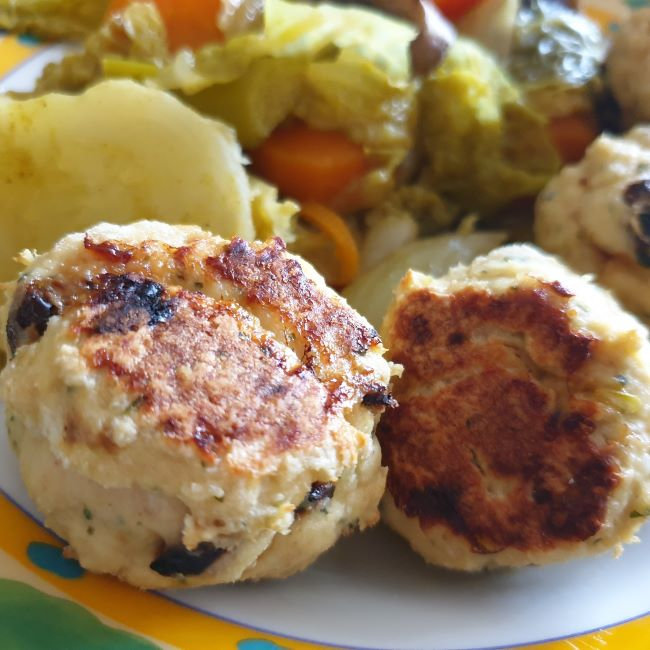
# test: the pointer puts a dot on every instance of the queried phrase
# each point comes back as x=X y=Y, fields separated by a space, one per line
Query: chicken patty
x=628 y=66
x=521 y=435
x=188 y=410
x=596 y=216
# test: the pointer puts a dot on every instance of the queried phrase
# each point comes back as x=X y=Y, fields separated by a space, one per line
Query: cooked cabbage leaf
x=257 y=102
x=485 y=146
x=355 y=72
x=52 y=18
x=339 y=68
x=272 y=217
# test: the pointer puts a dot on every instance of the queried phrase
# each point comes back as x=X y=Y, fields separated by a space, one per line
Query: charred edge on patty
x=317 y=493
x=637 y=197
x=271 y=278
x=131 y=302
x=379 y=396
x=179 y=560
x=109 y=250
x=32 y=309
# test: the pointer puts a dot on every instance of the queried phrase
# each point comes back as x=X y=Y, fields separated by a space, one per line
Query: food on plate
x=435 y=33
x=193 y=23
x=372 y=292
x=596 y=215
x=52 y=18
x=484 y=145
x=556 y=57
x=628 y=67
x=318 y=78
x=189 y=410
x=119 y=149
x=341 y=73
x=323 y=99
x=522 y=434
x=187 y=24
x=489 y=22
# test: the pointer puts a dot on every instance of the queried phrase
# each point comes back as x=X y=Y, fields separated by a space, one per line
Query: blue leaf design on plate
x=29 y=40
x=258 y=644
x=50 y=558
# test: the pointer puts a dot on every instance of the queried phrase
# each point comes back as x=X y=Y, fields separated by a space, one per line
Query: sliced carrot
x=572 y=134
x=455 y=9
x=308 y=164
x=189 y=23
x=337 y=231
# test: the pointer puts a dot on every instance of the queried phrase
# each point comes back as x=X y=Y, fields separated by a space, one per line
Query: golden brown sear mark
x=332 y=332
x=479 y=443
x=208 y=376
x=272 y=279
x=110 y=251
x=126 y=309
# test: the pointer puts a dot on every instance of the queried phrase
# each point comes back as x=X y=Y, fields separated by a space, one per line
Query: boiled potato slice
x=119 y=152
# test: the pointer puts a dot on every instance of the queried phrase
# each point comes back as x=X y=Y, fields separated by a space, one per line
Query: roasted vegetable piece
x=485 y=146
x=556 y=57
x=190 y=23
x=309 y=164
x=337 y=231
x=274 y=84
x=52 y=18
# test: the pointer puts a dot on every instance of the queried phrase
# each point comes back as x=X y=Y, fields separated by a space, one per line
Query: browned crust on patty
x=236 y=380
x=209 y=376
x=488 y=440
x=331 y=330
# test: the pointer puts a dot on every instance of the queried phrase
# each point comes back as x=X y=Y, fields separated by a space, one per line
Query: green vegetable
x=635 y=514
x=271 y=217
x=52 y=18
x=88 y=515
x=620 y=400
x=372 y=292
x=116 y=67
x=485 y=146
x=353 y=95
x=121 y=47
x=258 y=101
x=556 y=53
x=336 y=68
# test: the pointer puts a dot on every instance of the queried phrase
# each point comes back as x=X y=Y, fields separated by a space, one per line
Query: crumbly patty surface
x=596 y=216
x=224 y=375
x=503 y=448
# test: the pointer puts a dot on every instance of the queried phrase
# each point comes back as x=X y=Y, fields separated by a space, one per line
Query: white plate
x=371 y=591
